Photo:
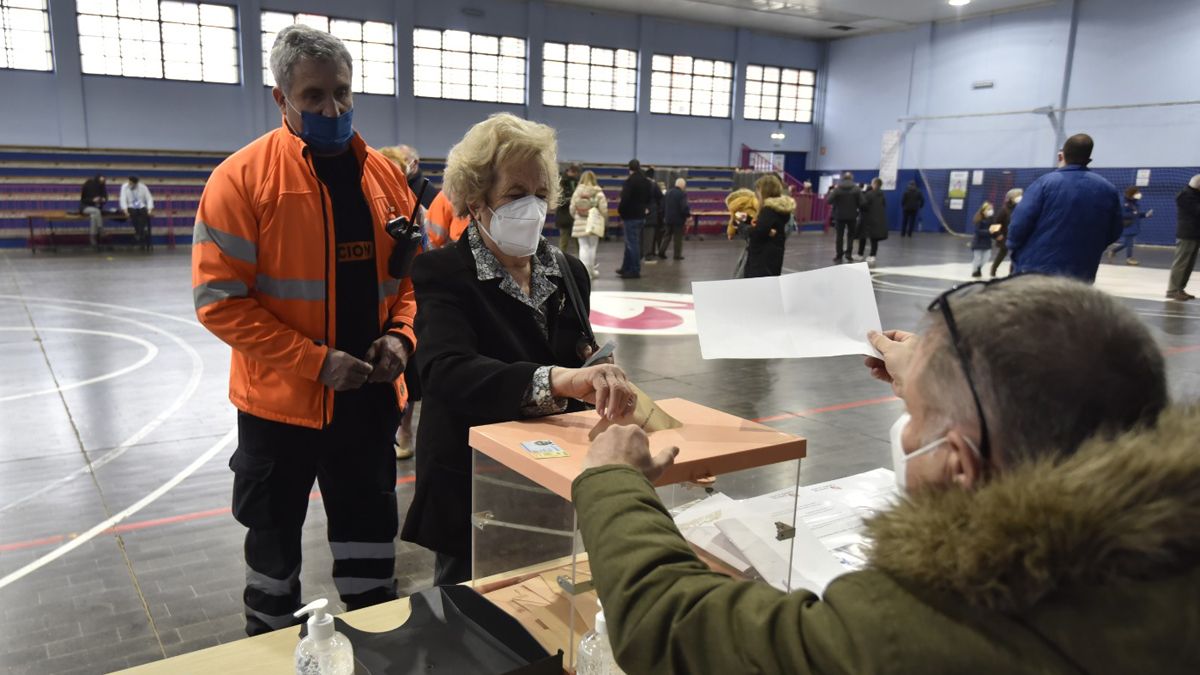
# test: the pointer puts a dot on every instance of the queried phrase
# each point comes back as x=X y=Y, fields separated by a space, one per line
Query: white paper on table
x=812 y=565
x=697 y=523
x=825 y=312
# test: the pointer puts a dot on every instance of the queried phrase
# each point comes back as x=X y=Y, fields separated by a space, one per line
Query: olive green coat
x=1086 y=565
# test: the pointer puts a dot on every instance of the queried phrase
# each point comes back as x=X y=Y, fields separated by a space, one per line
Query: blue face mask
x=326 y=134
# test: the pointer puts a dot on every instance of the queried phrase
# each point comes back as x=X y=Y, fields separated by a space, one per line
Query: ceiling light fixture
x=959 y=3
x=778 y=134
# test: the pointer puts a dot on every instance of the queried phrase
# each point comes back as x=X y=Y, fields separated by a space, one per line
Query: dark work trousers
x=449 y=570
x=140 y=220
x=1001 y=252
x=353 y=462
x=862 y=246
x=845 y=232
x=909 y=224
x=672 y=233
x=1186 y=251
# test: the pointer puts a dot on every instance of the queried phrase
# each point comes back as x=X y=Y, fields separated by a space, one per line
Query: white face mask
x=1018 y=200
x=1137 y=197
x=988 y=213
x=900 y=459
x=516 y=227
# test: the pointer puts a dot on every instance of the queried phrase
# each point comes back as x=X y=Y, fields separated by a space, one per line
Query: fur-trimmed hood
x=782 y=204
x=1117 y=511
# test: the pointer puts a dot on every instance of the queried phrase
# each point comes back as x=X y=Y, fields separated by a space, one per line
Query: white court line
x=189 y=390
x=22 y=298
x=140 y=504
x=151 y=352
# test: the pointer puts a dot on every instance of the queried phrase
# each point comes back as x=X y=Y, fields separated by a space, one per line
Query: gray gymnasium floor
x=113 y=408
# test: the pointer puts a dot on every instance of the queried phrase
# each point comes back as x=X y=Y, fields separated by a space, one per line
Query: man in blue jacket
x=1067 y=218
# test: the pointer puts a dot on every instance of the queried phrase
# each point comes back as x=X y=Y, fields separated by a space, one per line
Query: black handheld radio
x=406 y=232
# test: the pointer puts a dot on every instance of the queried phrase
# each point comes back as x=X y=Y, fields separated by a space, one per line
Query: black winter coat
x=635 y=197
x=846 y=199
x=477 y=350
x=676 y=209
x=1187 y=205
x=768 y=236
x=874 y=215
x=912 y=200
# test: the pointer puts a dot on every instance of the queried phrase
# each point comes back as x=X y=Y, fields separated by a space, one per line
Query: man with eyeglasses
x=1032 y=535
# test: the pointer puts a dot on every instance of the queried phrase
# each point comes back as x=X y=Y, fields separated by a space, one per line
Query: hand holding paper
x=825 y=312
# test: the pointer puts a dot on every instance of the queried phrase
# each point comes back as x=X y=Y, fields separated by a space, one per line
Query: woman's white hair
x=299 y=41
x=472 y=164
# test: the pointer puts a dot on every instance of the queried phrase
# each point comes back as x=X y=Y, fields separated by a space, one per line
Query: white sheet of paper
x=825 y=312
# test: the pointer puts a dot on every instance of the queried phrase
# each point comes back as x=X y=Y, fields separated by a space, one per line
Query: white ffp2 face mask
x=516 y=227
x=900 y=459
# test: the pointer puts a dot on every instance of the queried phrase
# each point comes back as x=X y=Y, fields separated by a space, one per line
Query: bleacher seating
x=39 y=188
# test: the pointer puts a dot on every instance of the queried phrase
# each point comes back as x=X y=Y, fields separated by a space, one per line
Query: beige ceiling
x=809 y=18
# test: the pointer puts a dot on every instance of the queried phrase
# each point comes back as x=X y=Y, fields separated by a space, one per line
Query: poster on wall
x=889 y=158
x=977 y=177
x=958 y=189
x=1143 y=178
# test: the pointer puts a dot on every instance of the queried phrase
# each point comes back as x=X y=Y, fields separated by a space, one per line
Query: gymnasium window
x=683 y=85
x=372 y=46
x=25 y=28
x=582 y=76
x=779 y=94
x=455 y=64
x=164 y=40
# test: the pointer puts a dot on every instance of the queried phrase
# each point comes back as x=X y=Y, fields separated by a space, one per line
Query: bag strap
x=576 y=298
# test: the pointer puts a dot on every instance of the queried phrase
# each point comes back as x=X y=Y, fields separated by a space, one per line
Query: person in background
x=874 y=220
x=590 y=209
x=564 y=220
x=768 y=233
x=1133 y=225
x=676 y=212
x=911 y=204
x=1187 y=235
x=981 y=242
x=634 y=204
x=288 y=269
x=500 y=338
x=1046 y=521
x=442 y=227
x=652 y=232
x=409 y=161
x=92 y=199
x=138 y=205
x=1067 y=218
x=742 y=205
x=999 y=229
x=846 y=198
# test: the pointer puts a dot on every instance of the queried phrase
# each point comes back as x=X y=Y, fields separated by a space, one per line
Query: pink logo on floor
x=643 y=313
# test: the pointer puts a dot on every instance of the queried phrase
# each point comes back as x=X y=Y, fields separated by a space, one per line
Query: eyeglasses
x=942 y=302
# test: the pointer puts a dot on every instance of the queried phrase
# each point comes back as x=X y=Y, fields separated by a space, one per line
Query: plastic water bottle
x=595 y=651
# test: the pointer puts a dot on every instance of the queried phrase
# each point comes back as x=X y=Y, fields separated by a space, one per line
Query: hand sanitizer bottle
x=595 y=652
x=323 y=651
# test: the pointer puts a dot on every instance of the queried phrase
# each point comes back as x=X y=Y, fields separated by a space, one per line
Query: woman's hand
x=604 y=385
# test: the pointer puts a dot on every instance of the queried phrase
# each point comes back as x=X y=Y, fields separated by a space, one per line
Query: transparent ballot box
x=526 y=552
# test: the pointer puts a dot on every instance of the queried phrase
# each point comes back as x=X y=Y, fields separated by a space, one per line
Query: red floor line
x=1170 y=351
x=19 y=545
x=829 y=408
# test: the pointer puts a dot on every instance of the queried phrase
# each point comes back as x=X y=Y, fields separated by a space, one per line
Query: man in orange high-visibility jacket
x=290 y=268
x=441 y=226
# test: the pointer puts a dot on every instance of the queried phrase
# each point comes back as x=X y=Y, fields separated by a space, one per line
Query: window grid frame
x=779 y=83
x=359 y=66
x=6 y=32
x=236 y=29
x=671 y=88
x=591 y=83
x=471 y=54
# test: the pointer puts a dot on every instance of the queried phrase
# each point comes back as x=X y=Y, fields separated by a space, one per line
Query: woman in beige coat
x=590 y=208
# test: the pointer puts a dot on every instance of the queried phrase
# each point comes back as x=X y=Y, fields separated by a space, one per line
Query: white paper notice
x=825 y=312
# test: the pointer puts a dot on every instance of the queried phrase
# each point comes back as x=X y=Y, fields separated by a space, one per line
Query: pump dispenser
x=595 y=651
x=324 y=651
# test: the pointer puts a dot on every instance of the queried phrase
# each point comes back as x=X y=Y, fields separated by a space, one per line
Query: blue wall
x=1123 y=53
x=69 y=109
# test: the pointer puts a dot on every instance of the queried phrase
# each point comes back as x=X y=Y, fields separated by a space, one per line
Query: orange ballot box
x=522 y=515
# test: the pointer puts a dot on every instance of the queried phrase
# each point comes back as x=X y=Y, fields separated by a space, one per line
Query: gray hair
x=299 y=41
x=680 y=183
x=1012 y=194
x=1194 y=183
x=1054 y=361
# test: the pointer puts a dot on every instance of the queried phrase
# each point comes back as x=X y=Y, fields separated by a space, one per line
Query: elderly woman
x=500 y=336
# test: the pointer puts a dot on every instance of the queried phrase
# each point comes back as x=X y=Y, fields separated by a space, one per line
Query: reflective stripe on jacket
x=441 y=226
x=264 y=266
